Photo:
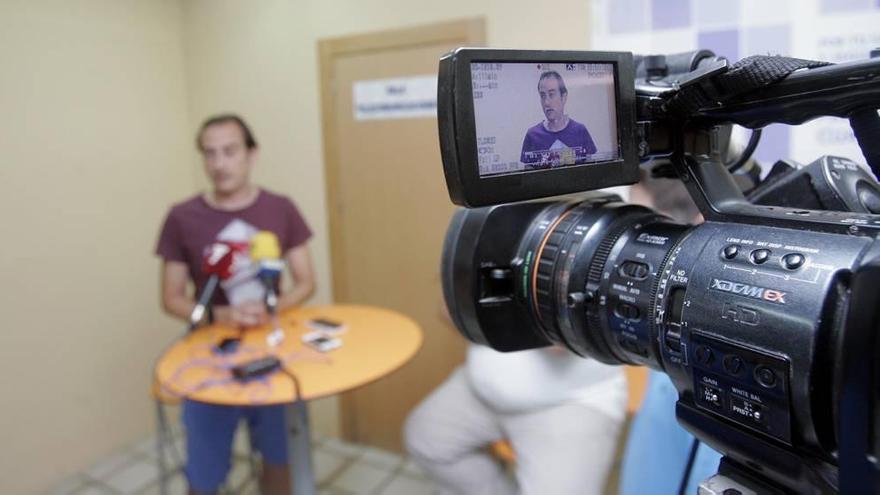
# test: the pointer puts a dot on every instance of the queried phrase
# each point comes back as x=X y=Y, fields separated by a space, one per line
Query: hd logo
x=750 y=291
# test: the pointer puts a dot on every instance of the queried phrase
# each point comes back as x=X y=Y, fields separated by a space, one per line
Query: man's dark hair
x=226 y=118
x=552 y=73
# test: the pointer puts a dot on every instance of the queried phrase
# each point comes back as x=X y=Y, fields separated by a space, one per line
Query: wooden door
x=388 y=211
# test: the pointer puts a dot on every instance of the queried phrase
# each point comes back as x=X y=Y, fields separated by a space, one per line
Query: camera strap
x=723 y=86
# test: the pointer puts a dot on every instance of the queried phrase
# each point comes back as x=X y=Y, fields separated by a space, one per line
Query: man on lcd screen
x=559 y=140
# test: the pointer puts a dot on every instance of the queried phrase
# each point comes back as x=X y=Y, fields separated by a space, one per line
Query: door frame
x=470 y=32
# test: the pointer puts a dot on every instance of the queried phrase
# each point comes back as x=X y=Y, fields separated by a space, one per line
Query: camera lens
x=614 y=250
x=580 y=274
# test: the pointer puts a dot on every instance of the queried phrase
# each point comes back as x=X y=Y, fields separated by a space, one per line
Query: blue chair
x=658 y=448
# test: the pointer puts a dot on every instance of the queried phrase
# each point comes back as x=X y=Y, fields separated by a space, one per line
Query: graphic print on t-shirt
x=243 y=285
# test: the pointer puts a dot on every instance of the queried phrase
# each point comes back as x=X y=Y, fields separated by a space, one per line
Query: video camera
x=765 y=316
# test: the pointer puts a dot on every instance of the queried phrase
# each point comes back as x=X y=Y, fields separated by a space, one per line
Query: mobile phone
x=326 y=325
x=322 y=342
x=227 y=346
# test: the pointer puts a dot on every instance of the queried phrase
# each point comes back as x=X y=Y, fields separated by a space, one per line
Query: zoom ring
x=546 y=267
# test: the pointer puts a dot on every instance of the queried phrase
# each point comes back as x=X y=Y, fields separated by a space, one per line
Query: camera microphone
x=216 y=262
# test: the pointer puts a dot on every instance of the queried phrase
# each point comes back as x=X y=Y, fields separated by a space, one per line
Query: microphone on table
x=216 y=262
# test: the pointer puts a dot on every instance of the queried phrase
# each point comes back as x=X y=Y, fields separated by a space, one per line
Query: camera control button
x=574 y=299
x=711 y=396
x=765 y=376
x=672 y=338
x=628 y=311
x=759 y=256
x=634 y=269
x=733 y=364
x=748 y=411
x=730 y=252
x=793 y=261
x=704 y=355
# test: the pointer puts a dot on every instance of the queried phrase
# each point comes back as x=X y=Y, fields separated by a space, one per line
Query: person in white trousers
x=561 y=413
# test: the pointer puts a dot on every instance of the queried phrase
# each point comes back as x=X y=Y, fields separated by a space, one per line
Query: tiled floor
x=340 y=468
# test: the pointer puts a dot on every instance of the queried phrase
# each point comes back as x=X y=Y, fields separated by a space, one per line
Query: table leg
x=161 y=438
x=299 y=449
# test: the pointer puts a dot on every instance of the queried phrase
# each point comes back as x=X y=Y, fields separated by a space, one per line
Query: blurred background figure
x=561 y=414
x=234 y=211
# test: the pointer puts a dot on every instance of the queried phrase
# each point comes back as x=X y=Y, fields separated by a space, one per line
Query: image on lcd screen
x=538 y=116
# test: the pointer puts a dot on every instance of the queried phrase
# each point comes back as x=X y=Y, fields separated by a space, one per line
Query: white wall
x=94 y=145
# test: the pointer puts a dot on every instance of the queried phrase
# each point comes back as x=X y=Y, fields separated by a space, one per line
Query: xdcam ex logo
x=750 y=291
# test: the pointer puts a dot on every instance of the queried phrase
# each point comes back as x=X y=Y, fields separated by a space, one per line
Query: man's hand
x=299 y=262
x=247 y=314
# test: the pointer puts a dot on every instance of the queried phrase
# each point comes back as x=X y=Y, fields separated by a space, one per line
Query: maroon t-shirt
x=194 y=224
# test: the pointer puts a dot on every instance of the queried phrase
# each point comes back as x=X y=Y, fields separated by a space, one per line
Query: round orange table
x=376 y=342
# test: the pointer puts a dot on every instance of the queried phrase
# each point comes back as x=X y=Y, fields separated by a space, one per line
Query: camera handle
x=866 y=128
x=755 y=92
x=698 y=163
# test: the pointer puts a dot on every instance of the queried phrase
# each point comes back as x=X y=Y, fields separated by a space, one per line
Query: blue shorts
x=209 y=432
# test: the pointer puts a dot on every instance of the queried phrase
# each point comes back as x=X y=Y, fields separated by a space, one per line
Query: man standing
x=233 y=211
x=559 y=140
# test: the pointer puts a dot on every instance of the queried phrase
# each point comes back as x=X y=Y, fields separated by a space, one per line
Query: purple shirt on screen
x=546 y=149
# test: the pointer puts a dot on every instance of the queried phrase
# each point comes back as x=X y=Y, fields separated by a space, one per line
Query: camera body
x=757 y=315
